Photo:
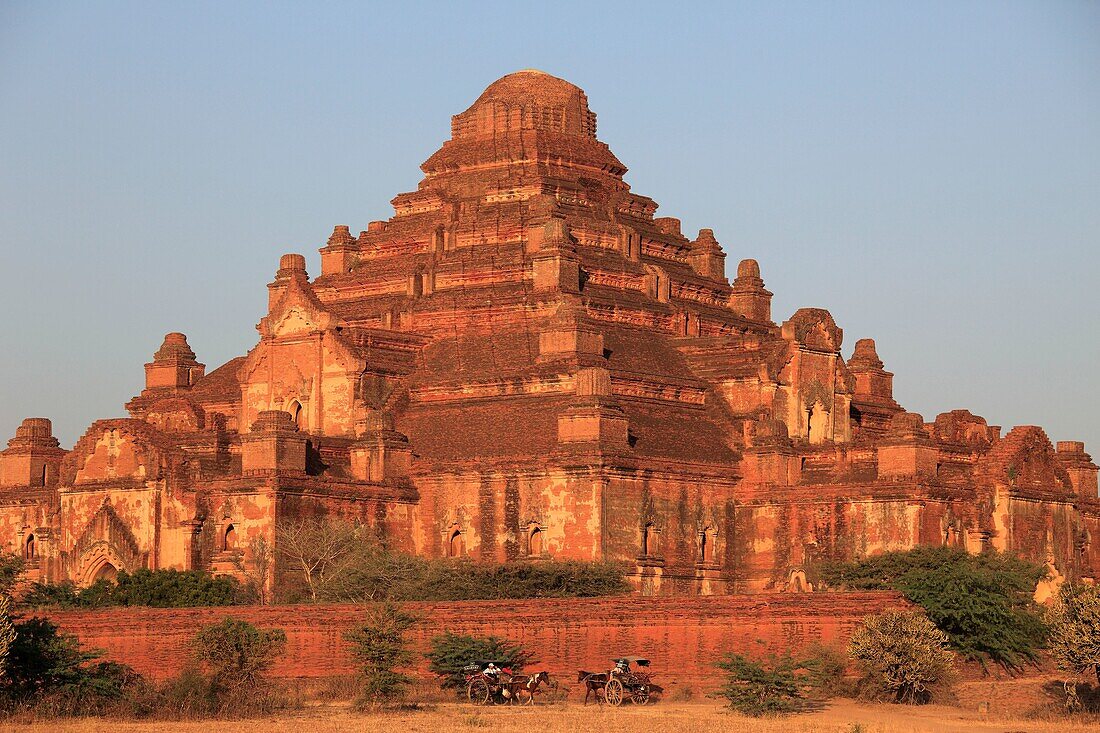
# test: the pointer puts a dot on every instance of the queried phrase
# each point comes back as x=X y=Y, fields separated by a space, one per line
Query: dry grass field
x=840 y=717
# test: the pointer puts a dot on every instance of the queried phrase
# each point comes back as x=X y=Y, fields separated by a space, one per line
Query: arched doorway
x=106 y=571
x=649 y=540
x=30 y=552
x=229 y=541
x=534 y=542
x=296 y=413
x=707 y=539
x=456 y=547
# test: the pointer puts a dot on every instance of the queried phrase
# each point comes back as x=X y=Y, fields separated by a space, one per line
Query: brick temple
x=524 y=362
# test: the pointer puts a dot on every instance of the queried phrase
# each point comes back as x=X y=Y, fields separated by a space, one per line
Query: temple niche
x=524 y=362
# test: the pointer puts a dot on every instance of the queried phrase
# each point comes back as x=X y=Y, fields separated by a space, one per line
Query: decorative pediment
x=1025 y=460
x=815 y=393
x=298 y=311
x=123 y=450
x=814 y=328
x=295 y=321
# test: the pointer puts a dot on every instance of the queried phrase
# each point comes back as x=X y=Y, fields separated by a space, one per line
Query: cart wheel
x=640 y=695
x=613 y=692
x=478 y=691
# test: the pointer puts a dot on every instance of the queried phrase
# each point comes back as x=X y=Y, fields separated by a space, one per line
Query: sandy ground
x=838 y=717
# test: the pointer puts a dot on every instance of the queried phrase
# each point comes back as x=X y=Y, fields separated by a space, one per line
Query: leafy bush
x=173 y=589
x=822 y=670
x=52 y=595
x=757 y=688
x=465 y=580
x=237 y=653
x=449 y=653
x=49 y=674
x=156 y=588
x=47 y=669
x=194 y=695
x=11 y=568
x=189 y=694
x=903 y=655
x=380 y=646
x=786 y=684
x=983 y=602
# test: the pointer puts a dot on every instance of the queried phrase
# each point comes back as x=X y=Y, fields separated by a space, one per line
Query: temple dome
x=527 y=100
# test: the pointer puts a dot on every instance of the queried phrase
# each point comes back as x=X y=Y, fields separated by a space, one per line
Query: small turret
x=749 y=297
x=706 y=257
x=33 y=456
x=291 y=266
x=338 y=252
x=873 y=403
x=174 y=366
x=1078 y=464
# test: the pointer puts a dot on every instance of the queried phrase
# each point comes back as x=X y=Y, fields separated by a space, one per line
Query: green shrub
x=982 y=602
x=380 y=646
x=11 y=568
x=822 y=669
x=53 y=595
x=173 y=589
x=237 y=653
x=765 y=687
x=155 y=588
x=48 y=670
x=903 y=656
x=449 y=653
x=194 y=695
x=190 y=694
x=449 y=580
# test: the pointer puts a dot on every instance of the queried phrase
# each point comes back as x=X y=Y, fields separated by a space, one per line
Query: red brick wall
x=683 y=636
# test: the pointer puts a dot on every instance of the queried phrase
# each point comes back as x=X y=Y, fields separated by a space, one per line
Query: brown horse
x=529 y=685
x=594 y=684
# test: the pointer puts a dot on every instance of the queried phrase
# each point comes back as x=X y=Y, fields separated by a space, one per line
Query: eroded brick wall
x=683 y=636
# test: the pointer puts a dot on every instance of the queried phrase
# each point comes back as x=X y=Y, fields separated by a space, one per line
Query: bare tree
x=256 y=567
x=339 y=561
x=322 y=551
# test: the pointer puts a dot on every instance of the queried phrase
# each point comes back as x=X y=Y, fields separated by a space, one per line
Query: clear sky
x=929 y=172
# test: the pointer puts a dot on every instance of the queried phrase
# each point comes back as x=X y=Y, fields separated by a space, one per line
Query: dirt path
x=839 y=717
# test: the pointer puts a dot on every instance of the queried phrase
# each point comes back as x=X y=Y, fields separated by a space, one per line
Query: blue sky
x=929 y=172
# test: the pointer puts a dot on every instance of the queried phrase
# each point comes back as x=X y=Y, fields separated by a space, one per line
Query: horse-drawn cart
x=491 y=682
x=621 y=682
x=487 y=682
